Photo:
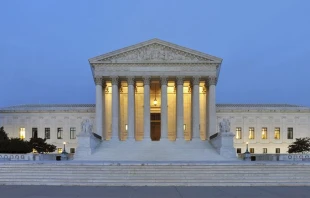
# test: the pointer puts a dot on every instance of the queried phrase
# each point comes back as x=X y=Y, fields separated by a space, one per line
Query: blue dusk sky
x=45 y=45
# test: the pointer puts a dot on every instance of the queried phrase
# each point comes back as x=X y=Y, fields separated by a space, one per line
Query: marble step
x=134 y=175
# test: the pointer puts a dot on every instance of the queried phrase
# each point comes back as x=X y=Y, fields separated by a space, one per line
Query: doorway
x=155 y=126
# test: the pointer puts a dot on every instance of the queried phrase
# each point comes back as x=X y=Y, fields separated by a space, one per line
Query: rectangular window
x=59 y=133
x=59 y=150
x=277 y=133
x=264 y=150
x=72 y=133
x=251 y=133
x=264 y=133
x=47 y=133
x=251 y=150
x=277 y=150
x=22 y=133
x=238 y=150
x=238 y=133
x=34 y=132
x=72 y=150
x=290 y=134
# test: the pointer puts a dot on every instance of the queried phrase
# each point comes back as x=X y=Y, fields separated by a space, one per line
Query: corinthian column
x=131 y=108
x=115 y=108
x=212 y=106
x=180 y=110
x=146 y=109
x=99 y=106
x=195 y=108
x=164 y=111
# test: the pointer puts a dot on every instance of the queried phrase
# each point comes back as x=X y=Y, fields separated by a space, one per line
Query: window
x=277 y=133
x=251 y=133
x=22 y=133
x=290 y=134
x=34 y=132
x=238 y=150
x=238 y=133
x=59 y=150
x=72 y=133
x=47 y=133
x=72 y=150
x=277 y=150
x=264 y=133
x=251 y=150
x=59 y=133
x=264 y=150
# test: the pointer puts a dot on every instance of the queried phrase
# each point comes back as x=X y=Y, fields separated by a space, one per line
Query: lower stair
x=156 y=174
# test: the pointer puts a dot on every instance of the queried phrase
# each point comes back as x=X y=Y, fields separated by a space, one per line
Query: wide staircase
x=154 y=151
x=122 y=174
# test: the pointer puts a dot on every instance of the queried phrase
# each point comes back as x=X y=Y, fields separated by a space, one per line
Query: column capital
x=114 y=80
x=195 y=80
x=146 y=80
x=180 y=80
x=212 y=80
x=163 y=80
x=130 y=80
x=98 y=80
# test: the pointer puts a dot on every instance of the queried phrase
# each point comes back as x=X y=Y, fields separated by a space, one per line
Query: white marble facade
x=159 y=91
x=180 y=80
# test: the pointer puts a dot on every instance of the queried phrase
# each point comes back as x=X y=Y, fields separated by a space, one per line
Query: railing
x=16 y=156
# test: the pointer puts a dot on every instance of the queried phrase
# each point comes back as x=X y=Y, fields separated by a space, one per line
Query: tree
x=14 y=145
x=3 y=135
x=41 y=146
x=300 y=145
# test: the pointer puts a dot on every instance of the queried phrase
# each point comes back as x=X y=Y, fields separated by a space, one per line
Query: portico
x=155 y=91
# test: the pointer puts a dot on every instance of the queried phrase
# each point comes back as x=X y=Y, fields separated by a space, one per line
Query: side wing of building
x=268 y=128
x=56 y=123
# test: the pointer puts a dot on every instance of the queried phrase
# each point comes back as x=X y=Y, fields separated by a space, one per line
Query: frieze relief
x=154 y=52
x=154 y=67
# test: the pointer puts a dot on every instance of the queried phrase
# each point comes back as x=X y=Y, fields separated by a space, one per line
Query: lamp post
x=247 y=154
x=64 y=151
x=64 y=154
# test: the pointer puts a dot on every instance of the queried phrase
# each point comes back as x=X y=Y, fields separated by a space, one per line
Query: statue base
x=224 y=144
x=87 y=143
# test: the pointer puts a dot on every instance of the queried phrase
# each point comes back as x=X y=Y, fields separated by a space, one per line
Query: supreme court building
x=156 y=101
x=155 y=90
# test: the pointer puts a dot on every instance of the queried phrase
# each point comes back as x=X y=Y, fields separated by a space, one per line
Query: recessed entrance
x=155 y=126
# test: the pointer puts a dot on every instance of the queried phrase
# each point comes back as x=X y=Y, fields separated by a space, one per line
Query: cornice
x=156 y=63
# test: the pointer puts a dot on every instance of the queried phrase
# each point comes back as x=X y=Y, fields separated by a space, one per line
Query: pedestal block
x=224 y=144
x=87 y=143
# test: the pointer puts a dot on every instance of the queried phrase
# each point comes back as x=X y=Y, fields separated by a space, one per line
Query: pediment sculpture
x=155 y=52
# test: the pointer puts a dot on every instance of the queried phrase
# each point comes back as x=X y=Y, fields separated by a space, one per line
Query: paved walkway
x=152 y=192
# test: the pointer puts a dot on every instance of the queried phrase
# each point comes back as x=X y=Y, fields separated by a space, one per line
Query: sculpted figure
x=86 y=126
x=225 y=125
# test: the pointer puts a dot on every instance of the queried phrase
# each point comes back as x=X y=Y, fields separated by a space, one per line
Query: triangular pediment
x=154 y=50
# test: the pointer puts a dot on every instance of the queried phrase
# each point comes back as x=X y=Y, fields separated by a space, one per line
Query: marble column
x=99 y=105
x=195 y=108
x=146 y=108
x=131 y=108
x=164 y=108
x=115 y=109
x=211 y=106
x=180 y=110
